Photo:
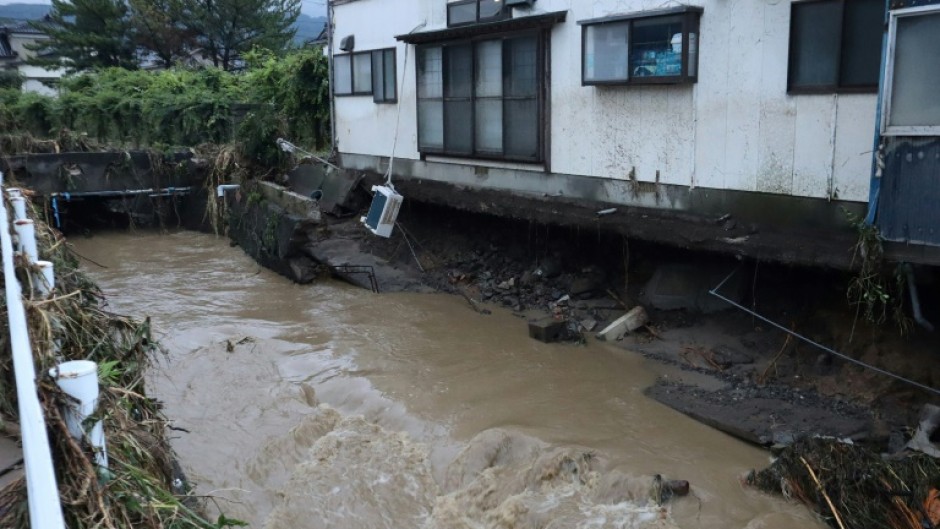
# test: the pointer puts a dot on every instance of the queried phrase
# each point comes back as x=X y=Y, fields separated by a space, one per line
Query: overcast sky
x=315 y=8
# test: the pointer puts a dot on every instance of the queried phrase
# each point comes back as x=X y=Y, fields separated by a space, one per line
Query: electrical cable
x=714 y=292
x=404 y=73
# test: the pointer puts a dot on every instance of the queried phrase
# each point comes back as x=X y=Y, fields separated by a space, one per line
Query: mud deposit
x=329 y=406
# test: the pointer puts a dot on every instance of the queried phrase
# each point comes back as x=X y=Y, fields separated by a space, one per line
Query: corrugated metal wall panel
x=909 y=203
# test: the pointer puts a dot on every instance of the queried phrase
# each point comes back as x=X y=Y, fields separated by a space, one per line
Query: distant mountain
x=308 y=27
x=24 y=11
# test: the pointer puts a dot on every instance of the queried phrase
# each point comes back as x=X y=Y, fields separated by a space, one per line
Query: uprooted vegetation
x=141 y=488
x=850 y=486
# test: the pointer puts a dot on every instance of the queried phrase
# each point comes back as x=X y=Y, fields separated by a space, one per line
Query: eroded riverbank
x=252 y=357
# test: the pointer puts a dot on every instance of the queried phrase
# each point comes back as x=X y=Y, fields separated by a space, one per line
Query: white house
x=14 y=53
x=762 y=110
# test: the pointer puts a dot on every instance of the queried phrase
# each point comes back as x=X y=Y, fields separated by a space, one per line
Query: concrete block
x=547 y=330
x=685 y=286
x=629 y=322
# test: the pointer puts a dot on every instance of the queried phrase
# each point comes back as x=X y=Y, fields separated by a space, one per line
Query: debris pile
x=852 y=487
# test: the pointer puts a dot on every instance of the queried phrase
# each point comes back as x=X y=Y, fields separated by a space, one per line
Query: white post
x=79 y=379
x=44 y=278
x=42 y=493
x=19 y=208
x=14 y=192
x=26 y=232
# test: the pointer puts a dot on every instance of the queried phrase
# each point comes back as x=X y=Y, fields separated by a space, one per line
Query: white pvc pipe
x=44 y=278
x=26 y=232
x=14 y=192
x=79 y=379
x=42 y=493
x=19 y=208
x=220 y=191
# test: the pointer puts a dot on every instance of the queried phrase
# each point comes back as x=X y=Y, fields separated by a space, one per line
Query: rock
x=588 y=324
x=629 y=322
x=929 y=421
x=549 y=268
x=547 y=330
x=504 y=285
x=677 y=487
x=527 y=279
x=584 y=285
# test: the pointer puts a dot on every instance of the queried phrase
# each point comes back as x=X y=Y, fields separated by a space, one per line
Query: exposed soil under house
x=725 y=367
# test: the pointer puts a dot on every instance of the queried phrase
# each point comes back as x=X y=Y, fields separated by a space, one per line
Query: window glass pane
x=520 y=73
x=814 y=48
x=378 y=76
x=693 y=54
x=914 y=99
x=489 y=80
x=391 y=78
x=522 y=128
x=431 y=124
x=461 y=13
x=429 y=72
x=458 y=136
x=861 y=42
x=656 y=46
x=458 y=79
x=342 y=74
x=362 y=73
x=490 y=9
x=489 y=125
x=605 y=52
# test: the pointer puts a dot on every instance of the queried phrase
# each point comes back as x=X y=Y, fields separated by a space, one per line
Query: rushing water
x=326 y=406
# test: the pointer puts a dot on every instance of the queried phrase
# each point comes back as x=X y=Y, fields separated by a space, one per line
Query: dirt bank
x=726 y=368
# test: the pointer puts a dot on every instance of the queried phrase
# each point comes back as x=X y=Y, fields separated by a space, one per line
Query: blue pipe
x=55 y=212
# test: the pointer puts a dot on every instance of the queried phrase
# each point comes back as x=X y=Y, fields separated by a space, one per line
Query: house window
x=366 y=73
x=481 y=98
x=913 y=102
x=383 y=76
x=835 y=46
x=656 y=47
x=474 y=11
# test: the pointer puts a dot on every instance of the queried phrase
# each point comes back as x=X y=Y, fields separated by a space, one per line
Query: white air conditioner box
x=384 y=210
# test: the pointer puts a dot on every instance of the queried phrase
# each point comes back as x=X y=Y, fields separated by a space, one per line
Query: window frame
x=691 y=24
x=381 y=52
x=541 y=72
x=887 y=89
x=352 y=74
x=837 y=88
x=505 y=14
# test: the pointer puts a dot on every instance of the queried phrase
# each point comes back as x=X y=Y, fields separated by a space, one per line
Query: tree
x=87 y=34
x=159 y=27
x=226 y=29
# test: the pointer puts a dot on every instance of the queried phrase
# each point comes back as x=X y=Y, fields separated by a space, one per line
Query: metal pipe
x=915 y=299
x=44 y=278
x=220 y=191
x=329 y=72
x=122 y=193
x=19 y=207
x=42 y=493
x=79 y=379
x=26 y=232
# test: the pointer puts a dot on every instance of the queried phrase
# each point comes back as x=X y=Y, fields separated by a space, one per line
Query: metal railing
x=45 y=510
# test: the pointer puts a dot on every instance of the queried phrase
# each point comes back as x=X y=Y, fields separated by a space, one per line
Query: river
x=327 y=406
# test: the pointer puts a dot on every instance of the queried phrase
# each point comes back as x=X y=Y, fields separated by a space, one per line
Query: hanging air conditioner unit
x=384 y=210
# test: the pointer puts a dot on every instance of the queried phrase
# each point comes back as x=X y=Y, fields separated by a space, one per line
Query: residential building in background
x=780 y=117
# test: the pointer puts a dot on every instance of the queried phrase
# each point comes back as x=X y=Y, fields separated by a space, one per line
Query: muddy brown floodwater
x=326 y=406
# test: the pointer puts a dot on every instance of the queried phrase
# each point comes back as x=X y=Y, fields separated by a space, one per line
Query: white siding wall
x=734 y=129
